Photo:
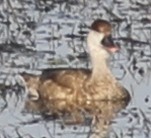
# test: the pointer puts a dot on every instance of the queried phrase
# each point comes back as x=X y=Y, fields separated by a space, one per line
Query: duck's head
x=100 y=35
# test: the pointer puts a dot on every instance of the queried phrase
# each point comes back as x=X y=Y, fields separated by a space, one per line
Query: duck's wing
x=61 y=88
x=65 y=77
x=51 y=73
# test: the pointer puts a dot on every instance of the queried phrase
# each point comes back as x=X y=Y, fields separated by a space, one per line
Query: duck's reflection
x=102 y=121
x=100 y=113
x=77 y=92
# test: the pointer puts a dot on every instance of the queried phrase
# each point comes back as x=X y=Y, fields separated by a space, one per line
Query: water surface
x=38 y=34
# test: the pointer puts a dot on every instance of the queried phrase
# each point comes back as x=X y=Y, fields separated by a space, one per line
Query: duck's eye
x=107 y=33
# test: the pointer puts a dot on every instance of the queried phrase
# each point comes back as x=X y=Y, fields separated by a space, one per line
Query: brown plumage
x=66 y=90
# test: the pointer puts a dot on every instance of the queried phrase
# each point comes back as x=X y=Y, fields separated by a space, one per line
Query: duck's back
x=61 y=89
x=65 y=77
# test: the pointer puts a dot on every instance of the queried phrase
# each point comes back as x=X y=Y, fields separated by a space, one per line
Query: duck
x=69 y=89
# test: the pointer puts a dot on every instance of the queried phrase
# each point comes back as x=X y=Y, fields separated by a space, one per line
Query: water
x=48 y=34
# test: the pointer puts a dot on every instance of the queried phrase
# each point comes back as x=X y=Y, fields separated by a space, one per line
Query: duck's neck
x=99 y=59
x=100 y=67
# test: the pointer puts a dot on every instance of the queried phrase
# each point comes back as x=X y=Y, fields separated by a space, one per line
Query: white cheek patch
x=95 y=38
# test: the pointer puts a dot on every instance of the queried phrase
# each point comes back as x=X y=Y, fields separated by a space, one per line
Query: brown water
x=37 y=34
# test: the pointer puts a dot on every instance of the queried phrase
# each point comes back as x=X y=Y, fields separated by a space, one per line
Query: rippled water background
x=37 y=34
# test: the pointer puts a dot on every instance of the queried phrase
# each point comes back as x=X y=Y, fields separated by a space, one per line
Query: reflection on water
x=38 y=34
x=97 y=121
